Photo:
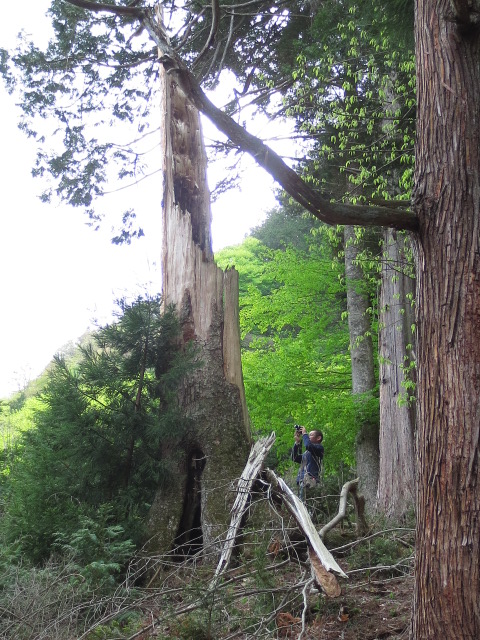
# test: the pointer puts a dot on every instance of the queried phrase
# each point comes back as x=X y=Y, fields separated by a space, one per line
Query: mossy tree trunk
x=363 y=368
x=196 y=510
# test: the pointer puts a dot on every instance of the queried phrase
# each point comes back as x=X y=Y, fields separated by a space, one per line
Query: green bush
x=98 y=551
x=99 y=433
x=383 y=551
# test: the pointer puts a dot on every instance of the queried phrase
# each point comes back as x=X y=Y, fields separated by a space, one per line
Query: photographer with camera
x=310 y=460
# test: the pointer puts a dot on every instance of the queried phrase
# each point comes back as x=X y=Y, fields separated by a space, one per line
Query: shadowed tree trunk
x=196 y=511
x=363 y=371
x=396 y=484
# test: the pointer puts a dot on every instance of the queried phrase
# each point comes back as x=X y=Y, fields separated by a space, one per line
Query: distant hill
x=70 y=351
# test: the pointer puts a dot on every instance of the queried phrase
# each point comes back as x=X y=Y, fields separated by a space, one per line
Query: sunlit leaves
x=295 y=355
x=354 y=96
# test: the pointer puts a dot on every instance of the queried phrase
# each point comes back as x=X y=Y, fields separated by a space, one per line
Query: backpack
x=309 y=482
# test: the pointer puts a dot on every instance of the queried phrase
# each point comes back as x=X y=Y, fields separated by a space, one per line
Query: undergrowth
x=94 y=588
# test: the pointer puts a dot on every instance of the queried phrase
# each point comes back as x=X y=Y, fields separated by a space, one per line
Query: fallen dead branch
x=348 y=487
x=254 y=464
x=323 y=563
x=249 y=596
x=245 y=602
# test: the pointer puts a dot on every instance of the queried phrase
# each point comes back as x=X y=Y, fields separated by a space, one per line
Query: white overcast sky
x=57 y=274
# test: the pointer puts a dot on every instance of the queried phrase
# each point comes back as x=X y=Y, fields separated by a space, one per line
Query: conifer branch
x=287 y=178
x=134 y=12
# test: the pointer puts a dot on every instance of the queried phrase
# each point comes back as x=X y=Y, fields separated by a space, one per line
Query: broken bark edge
x=255 y=461
x=298 y=510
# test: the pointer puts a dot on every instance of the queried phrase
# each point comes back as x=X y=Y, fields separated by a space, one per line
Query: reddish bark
x=447 y=202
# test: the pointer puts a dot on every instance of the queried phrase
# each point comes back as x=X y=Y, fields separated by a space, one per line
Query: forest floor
x=268 y=601
x=266 y=592
x=367 y=610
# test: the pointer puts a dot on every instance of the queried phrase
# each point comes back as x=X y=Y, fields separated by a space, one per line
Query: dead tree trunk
x=196 y=512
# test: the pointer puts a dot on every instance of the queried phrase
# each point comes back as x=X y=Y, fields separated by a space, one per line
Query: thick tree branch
x=134 y=12
x=351 y=487
x=287 y=178
x=314 y=202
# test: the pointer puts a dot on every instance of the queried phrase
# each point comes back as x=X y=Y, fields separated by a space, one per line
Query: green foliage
x=193 y=626
x=295 y=356
x=335 y=51
x=16 y=418
x=99 y=434
x=385 y=552
x=287 y=226
x=123 y=626
x=98 y=551
x=95 y=110
x=354 y=96
x=83 y=93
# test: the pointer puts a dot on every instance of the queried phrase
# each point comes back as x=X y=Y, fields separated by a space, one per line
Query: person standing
x=310 y=459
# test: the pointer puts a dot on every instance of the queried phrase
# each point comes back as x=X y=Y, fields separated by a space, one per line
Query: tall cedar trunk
x=207 y=302
x=396 y=483
x=363 y=372
x=447 y=201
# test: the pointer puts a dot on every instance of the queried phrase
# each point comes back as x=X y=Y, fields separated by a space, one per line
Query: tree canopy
x=295 y=343
x=85 y=93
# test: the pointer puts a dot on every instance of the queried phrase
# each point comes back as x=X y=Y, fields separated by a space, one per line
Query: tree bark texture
x=447 y=202
x=206 y=300
x=363 y=370
x=396 y=483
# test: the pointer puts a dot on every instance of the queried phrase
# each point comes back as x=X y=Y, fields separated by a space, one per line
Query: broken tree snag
x=254 y=464
x=206 y=301
x=265 y=157
x=348 y=487
x=232 y=356
x=323 y=563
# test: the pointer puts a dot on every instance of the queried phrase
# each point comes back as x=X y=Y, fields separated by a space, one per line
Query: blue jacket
x=311 y=458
